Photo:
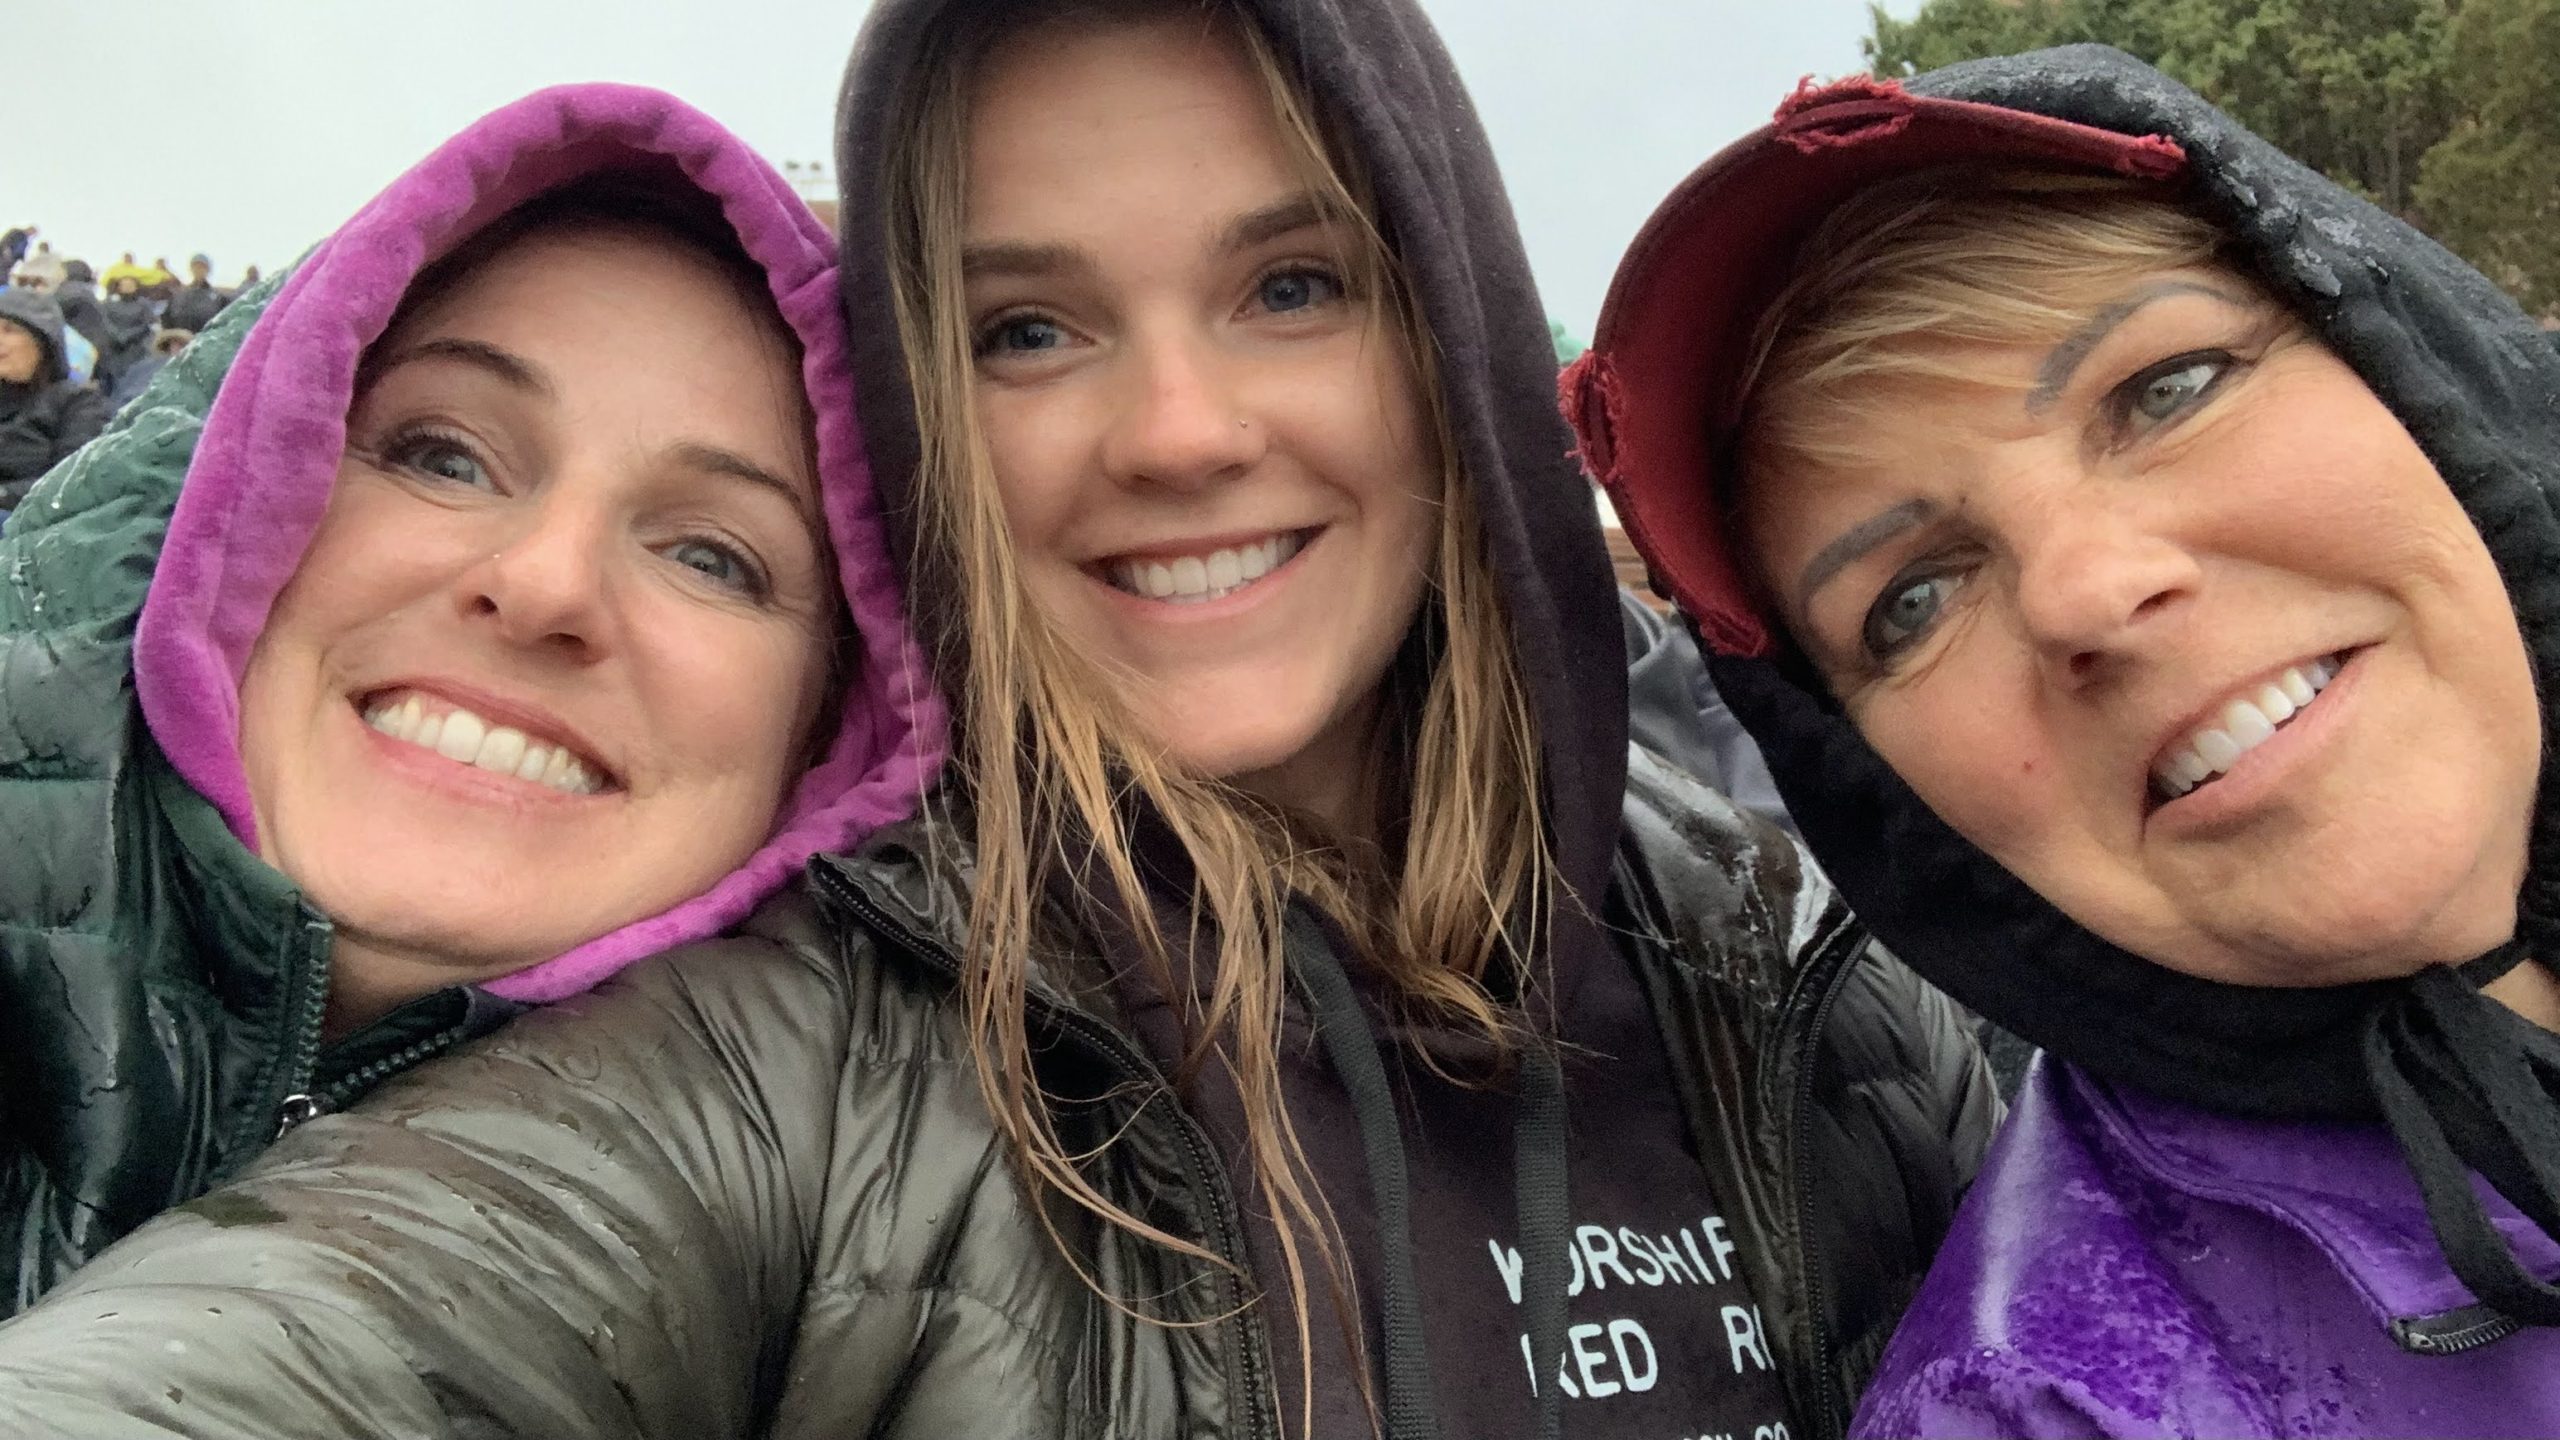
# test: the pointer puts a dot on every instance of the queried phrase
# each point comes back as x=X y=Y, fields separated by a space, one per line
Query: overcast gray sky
x=249 y=128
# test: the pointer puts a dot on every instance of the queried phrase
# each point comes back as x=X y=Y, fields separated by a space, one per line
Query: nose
x=547 y=586
x=1181 y=419
x=2096 y=586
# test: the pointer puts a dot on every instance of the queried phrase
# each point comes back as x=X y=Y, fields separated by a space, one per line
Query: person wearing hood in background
x=13 y=246
x=523 y=611
x=1302 y=1014
x=2138 y=561
x=77 y=294
x=44 y=413
x=130 y=320
x=196 y=303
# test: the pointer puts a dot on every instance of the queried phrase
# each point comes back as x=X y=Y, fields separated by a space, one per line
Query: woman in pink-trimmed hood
x=524 y=611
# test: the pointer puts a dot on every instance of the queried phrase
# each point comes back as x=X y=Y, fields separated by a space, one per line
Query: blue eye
x=1021 y=335
x=438 y=457
x=720 y=564
x=1905 y=610
x=2167 y=389
x=1283 y=291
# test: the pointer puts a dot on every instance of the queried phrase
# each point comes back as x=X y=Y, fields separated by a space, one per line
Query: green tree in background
x=1568 y=349
x=2491 y=188
x=2441 y=111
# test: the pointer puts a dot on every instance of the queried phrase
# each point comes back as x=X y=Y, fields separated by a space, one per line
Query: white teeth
x=1194 y=578
x=463 y=732
x=2242 y=725
x=2218 y=749
x=2246 y=724
x=463 y=736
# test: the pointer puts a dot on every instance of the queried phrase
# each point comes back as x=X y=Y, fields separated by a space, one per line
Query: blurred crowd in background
x=77 y=344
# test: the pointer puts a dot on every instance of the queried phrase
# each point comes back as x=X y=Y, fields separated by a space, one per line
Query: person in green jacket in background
x=523 y=612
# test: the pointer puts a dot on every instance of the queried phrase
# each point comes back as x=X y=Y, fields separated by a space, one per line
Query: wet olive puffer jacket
x=751 y=1189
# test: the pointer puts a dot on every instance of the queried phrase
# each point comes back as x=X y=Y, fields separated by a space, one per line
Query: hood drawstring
x=1351 y=1047
x=1538 y=1182
x=2465 y=1085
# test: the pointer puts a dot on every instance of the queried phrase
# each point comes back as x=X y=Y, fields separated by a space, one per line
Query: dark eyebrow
x=508 y=366
x=1005 y=258
x=2064 y=361
x=1255 y=227
x=1269 y=223
x=1851 y=546
x=713 y=460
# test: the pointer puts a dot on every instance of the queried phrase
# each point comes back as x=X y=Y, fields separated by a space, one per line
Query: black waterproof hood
x=2470 y=376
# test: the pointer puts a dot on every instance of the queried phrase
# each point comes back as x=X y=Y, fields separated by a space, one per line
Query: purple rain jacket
x=2130 y=1266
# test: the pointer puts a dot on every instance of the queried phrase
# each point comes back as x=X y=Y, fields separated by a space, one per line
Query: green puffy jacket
x=160 y=988
x=751 y=1189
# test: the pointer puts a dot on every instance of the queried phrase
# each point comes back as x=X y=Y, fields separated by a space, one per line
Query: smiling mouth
x=1209 y=575
x=466 y=738
x=2242 y=724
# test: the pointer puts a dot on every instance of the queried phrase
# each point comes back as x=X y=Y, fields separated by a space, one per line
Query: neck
x=369 y=979
x=2532 y=991
x=1331 y=779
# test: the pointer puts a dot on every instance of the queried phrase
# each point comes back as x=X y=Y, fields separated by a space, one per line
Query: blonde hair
x=1906 y=272
x=1058 y=766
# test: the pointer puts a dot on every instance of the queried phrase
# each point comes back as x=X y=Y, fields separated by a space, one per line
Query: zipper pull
x=294 y=1109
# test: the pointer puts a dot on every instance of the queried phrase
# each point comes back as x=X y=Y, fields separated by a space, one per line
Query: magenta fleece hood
x=271 y=445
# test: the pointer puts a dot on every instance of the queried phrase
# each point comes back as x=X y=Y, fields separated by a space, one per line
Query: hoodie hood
x=1378 y=68
x=36 y=314
x=2460 y=1081
x=270 y=449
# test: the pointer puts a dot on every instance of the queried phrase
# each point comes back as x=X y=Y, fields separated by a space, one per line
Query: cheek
x=1030 y=450
x=740 y=695
x=1982 y=766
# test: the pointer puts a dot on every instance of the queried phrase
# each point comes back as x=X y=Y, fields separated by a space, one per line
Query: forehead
x=1074 y=125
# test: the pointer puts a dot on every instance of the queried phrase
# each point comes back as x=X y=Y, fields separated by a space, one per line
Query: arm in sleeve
x=595 y=1224
x=84 y=414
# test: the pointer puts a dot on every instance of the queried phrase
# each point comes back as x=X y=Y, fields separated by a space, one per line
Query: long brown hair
x=1055 y=763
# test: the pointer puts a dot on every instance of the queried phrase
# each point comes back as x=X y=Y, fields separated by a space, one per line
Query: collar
x=2344 y=1187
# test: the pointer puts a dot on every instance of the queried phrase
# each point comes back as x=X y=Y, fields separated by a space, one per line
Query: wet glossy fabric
x=161 y=989
x=751 y=1189
x=2129 y=1266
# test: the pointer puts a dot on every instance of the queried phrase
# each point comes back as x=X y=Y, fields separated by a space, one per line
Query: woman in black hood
x=44 y=414
x=2137 y=559
x=1302 y=1014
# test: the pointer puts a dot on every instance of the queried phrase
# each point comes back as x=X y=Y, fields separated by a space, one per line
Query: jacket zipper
x=2453 y=1331
x=1839 y=951
x=310 y=1006
x=1207 y=1177
x=305 y=1105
